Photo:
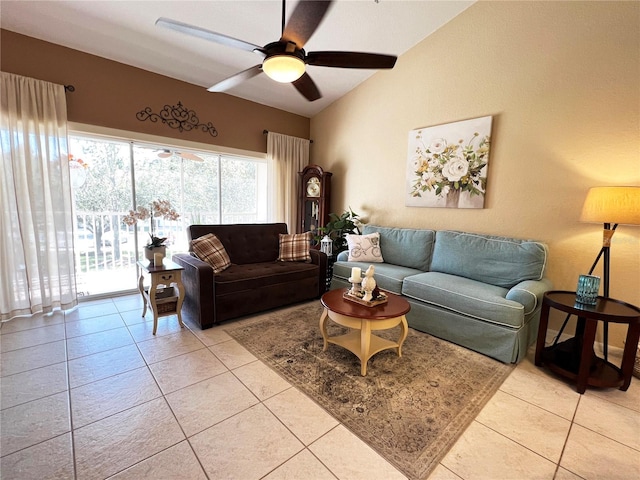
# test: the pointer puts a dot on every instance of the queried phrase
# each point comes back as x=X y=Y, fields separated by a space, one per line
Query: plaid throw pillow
x=209 y=248
x=295 y=247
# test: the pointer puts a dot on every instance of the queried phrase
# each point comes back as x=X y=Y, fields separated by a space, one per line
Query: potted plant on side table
x=159 y=209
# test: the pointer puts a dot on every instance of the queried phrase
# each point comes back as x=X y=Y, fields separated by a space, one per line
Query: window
x=109 y=173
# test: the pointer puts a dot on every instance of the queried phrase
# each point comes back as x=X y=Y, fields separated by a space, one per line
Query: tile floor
x=92 y=394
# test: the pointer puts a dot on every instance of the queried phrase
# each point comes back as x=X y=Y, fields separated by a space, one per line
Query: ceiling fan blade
x=304 y=21
x=307 y=87
x=206 y=34
x=164 y=154
x=191 y=156
x=236 y=79
x=350 y=60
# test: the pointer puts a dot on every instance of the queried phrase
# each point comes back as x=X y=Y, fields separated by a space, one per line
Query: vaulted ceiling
x=125 y=31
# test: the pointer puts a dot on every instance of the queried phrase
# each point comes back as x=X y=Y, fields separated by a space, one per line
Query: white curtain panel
x=289 y=155
x=37 y=272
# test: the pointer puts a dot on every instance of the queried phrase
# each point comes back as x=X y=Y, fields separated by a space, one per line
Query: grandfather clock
x=314 y=198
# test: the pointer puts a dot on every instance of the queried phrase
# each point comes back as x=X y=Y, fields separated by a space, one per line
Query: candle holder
x=355 y=286
x=587 y=291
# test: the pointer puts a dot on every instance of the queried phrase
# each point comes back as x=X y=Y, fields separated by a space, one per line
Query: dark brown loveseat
x=255 y=281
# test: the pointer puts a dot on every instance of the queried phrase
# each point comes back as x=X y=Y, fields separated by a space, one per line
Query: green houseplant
x=338 y=227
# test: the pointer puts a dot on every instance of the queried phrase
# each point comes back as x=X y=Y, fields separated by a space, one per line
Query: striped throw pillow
x=209 y=248
x=295 y=247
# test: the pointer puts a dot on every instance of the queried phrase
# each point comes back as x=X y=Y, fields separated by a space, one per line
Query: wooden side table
x=575 y=357
x=331 y=259
x=169 y=302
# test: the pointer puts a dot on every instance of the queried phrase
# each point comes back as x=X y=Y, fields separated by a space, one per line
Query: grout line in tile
x=308 y=447
x=143 y=460
x=535 y=405
x=514 y=441
x=70 y=406
x=34 y=399
x=566 y=439
x=38 y=443
x=285 y=461
x=37 y=368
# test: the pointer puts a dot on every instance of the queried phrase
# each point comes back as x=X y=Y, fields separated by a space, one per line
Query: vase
x=150 y=251
x=453 y=198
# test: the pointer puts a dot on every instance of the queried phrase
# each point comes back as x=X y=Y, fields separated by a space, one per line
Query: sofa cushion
x=364 y=248
x=465 y=296
x=388 y=277
x=295 y=247
x=405 y=246
x=210 y=249
x=499 y=261
x=253 y=276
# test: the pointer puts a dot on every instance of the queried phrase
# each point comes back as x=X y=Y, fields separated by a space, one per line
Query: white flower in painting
x=455 y=169
x=428 y=179
x=426 y=176
x=438 y=145
x=433 y=162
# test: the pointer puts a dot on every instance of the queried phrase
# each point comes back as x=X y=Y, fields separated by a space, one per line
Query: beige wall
x=562 y=81
x=109 y=94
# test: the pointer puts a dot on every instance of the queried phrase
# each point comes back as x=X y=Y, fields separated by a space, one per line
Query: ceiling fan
x=285 y=60
x=184 y=155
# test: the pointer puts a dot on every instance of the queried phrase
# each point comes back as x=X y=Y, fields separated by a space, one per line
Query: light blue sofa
x=479 y=291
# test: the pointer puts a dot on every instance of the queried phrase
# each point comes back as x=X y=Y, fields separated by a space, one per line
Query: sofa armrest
x=320 y=258
x=197 y=278
x=529 y=293
x=343 y=256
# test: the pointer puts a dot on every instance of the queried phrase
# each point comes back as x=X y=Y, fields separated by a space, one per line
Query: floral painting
x=447 y=164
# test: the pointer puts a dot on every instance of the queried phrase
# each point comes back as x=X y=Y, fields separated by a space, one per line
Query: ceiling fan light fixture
x=283 y=68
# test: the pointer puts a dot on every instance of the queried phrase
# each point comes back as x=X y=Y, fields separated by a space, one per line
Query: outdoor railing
x=105 y=248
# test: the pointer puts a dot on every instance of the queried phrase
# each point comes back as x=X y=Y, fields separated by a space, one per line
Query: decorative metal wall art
x=178 y=117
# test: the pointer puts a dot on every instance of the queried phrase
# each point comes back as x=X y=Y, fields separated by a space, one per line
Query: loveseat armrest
x=320 y=258
x=197 y=278
x=529 y=293
x=343 y=256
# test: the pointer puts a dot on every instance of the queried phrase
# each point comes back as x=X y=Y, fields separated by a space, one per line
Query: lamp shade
x=283 y=68
x=612 y=205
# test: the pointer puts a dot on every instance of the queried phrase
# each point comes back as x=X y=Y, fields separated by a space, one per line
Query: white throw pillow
x=365 y=248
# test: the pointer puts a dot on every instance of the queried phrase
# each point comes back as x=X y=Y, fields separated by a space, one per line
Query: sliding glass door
x=111 y=177
x=102 y=193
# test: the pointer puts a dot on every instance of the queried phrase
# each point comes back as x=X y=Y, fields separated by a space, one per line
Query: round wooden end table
x=362 y=320
x=575 y=358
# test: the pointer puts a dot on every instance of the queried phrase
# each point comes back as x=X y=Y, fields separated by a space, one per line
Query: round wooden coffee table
x=363 y=320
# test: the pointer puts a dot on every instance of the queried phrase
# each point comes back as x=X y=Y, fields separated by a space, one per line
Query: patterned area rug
x=410 y=409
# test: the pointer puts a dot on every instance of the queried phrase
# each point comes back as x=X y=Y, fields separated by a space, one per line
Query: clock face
x=313 y=187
